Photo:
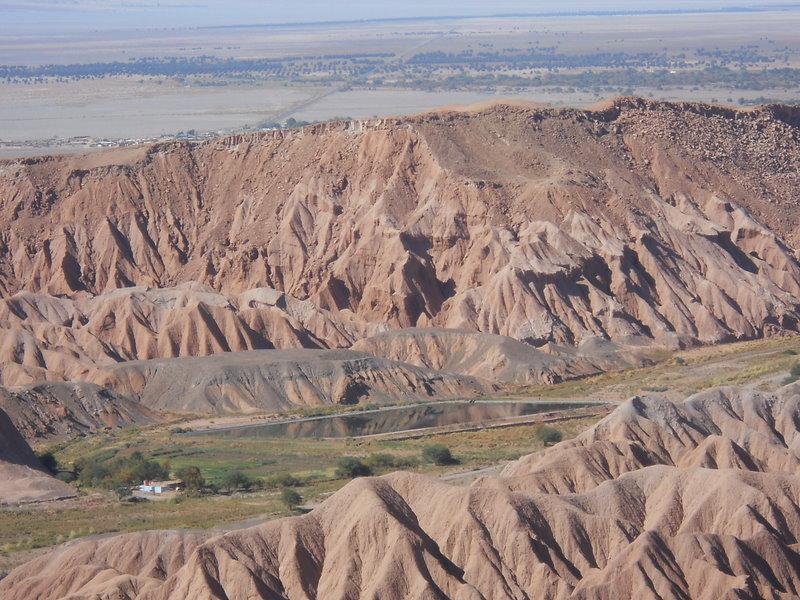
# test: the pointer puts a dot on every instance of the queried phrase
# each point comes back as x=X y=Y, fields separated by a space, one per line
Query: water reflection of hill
x=399 y=419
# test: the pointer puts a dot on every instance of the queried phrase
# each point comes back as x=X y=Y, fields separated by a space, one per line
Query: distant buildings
x=160 y=487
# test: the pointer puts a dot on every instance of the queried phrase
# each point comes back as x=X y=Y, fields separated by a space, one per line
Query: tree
x=438 y=454
x=149 y=470
x=236 y=480
x=350 y=467
x=290 y=498
x=122 y=492
x=548 y=436
x=66 y=476
x=91 y=472
x=192 y=478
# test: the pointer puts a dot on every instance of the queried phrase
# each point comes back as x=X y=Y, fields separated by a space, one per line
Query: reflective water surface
x=395 y=419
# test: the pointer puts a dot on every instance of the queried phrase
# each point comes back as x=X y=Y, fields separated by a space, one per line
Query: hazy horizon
x=42 y=16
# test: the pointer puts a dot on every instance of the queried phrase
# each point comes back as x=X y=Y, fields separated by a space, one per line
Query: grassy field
x=760 y=362
x=312 y=462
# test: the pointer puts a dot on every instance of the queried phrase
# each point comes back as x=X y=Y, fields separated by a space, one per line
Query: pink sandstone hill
x=22 y=477
x=676 y=222
x=639 y=223
x=691 y=500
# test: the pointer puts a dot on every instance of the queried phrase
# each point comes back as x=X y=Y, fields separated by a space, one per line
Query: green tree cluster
x=125 y=471
x=235 y=481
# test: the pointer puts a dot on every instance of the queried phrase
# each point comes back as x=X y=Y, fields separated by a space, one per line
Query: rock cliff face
x=63 y=410
x=672 y=222
x=697 y=499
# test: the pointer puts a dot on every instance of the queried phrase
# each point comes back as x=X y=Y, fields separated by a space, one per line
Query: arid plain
x=361 y=70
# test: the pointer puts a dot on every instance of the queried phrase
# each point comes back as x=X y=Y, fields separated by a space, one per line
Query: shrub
x=438 y=454
x=350 y=467
x=236 y=480
x=283 y=480
x=381 y=460
x=548 y=436
x=794 y=374
x=290 y=498
x=49 y=462
x=287 y=480
x=66 y=476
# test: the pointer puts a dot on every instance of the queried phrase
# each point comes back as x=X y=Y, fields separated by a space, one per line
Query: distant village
x=87 y=142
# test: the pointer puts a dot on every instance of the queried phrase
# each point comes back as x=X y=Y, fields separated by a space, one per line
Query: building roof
x=163 y=483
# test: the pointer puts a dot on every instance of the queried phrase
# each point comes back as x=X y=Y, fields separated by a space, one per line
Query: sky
x=31 y=16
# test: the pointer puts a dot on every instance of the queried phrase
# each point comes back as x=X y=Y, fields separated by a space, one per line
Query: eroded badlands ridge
x=699 y=499
x=669 y=222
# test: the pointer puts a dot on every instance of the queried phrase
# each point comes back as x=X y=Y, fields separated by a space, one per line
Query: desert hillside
x=696 y=499
x=22 y=476
x=669 y=223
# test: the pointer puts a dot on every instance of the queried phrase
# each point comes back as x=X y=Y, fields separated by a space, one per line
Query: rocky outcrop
x=56 y=410
x=692 y=500
x=673 y=222
x=276 y=380
x=499 y=358
x=23 y=479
